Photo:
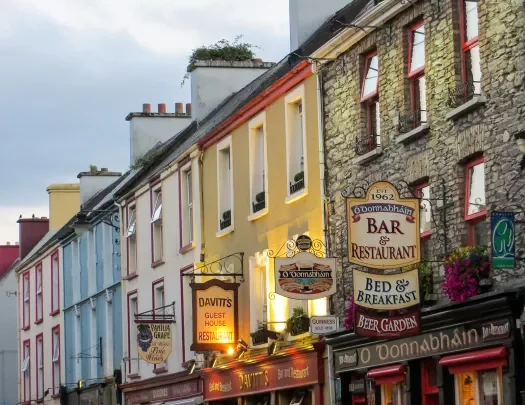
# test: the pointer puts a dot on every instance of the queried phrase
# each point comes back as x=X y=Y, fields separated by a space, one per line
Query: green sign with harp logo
x=502 y=238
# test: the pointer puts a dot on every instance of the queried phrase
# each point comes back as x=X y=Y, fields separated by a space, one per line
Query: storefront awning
x=388 y=375
x=478 y=360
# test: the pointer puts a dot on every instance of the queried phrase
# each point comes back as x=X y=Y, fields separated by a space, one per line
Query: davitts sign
x=383 y=229
x=215 y=315
x=305 y=276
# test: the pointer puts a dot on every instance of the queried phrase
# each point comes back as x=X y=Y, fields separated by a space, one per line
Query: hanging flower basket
x=464 y=270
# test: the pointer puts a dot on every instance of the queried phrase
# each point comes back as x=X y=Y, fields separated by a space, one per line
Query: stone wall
x=439 y=155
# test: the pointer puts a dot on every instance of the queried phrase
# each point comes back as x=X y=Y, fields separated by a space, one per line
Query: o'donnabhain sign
x=383 y=229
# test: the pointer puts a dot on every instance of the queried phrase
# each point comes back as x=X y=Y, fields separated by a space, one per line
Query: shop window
x=393 y=394
x=295 y=142
x=475 y=202
x=131 y=236
x=39 y=300
x=258 y=166
x=55 y=284
x=156 y=226
x=225 y=184
x=370 y=105
x=469 y=21
x=416 y=74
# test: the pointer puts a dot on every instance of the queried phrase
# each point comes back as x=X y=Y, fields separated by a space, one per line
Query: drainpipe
x=322 y=176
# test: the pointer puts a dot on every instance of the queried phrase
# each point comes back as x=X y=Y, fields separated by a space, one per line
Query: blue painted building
x=92 y=295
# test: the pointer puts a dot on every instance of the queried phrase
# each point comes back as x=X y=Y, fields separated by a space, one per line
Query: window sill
x=258 y=214
x=296 y=196
x=224 y=232
x=134 y=376
x=367 y=157
x=297 y=337
x=38 y=322
x=187 y=248
x=26 y=328
x=416 y=133
x=160 y=370
x=55 y=312
x=131 y=276
x=463 y=109
x=157 y=263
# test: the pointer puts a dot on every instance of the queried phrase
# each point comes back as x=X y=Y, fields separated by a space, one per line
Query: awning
x=388 y=375
x=478 y=360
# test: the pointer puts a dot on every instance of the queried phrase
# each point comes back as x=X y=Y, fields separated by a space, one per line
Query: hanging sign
x=386 y=291
x=305 y=276
x=215 y=315
x=383 y=229
x=154 y=341
x=502 y=238
x=386 y=326
x=321 y=325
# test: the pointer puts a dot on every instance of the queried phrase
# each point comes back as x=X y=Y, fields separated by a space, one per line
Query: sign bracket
x=87 y=354
x=165 y=314
x=228 y=266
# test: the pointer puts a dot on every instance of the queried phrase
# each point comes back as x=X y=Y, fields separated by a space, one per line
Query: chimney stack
x=162 y=109
x=31 y=230
x=188 y=109
x=179 y=108
x=93 y=182
x=64 y=202
x=146 y=108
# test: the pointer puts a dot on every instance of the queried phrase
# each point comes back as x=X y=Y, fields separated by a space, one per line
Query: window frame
x=155 y=195
x=156 y=285
x=26 y=304
x=427 y=390
x=131 y=296
x=473 y=219
x=56 y=387
x=186 y=226
x=374 y=94
x=55 y=311
x=26 y=384
x=291 y=100
x=39 y=358
x=466 y=44
x=39 y=295
x=254 y=124
x=131 y=212
x=224 y=144
x=415 y=76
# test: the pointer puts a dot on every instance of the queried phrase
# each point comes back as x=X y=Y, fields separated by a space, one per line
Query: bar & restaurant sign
x=215 y=315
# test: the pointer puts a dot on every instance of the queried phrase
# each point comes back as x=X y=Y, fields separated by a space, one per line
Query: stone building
x=429 y=96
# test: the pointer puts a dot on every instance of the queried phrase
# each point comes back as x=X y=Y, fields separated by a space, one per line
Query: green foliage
x=298 y=177
x=93 y=168
x=425 y=277
x=298 y=323
x=260 y=197
x=226 y=215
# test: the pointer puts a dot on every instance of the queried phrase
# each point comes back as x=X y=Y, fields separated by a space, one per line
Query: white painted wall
x=147 y=131
x=8 y=340
x=213 y=81
x=174 y=261
x=48 y=323
x=90 y=183
x=306 y=16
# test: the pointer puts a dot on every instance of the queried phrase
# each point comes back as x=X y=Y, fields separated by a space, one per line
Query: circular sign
x=303 y=243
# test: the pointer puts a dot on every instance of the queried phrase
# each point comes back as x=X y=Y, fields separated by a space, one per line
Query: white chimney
x=94 y=181
x=306 y=16
x=213 y=81
x=148 y=129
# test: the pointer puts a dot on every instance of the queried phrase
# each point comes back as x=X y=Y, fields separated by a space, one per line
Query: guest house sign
x=154 y=341
x=383 y=229
x=215 y=315
x=305 y=276
x=386 y=292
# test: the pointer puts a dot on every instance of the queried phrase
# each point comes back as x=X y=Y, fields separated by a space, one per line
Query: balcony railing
x=295 y=187
x=414 y=119
x=257 y=206
x=462 y=93
x=225 y=223
x=366 y=144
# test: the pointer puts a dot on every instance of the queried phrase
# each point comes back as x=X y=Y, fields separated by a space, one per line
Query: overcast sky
x=71 y=70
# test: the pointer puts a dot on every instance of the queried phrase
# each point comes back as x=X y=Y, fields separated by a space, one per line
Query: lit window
x=475 y=203
x=156 y=221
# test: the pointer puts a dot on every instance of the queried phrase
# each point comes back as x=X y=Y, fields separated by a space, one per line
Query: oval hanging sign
x=303 y=243
x=383 y=229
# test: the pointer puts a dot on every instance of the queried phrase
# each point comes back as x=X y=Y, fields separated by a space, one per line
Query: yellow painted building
x=64 y=203
x=251 y=167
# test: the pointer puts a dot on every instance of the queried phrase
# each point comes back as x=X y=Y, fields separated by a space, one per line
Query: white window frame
x=27 y=358
x=131 y=235
x=40 y=366
x=26 y=284
x=254 y=124
x=188 y=206
x=55 y=269
x=132 y=221
x=290 y=101
x=133 y=350
x=39 y=300
x=156 y=223
x=259 y=264
x=159 y=286
x=224 y=144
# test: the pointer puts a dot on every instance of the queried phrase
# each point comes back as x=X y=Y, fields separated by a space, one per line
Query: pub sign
x=502 y=240
x=154 y=341
x=383 y=229
x=215 y=315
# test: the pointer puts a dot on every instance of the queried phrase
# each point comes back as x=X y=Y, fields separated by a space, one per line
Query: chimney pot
x=104 y=170
x=162 y=108
x=146 y=108
x=179 y=108
x=188 y=109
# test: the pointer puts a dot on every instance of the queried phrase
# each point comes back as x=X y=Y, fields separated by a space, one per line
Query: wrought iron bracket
x=228 y=266
x=87 y=354
x=161 y=314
